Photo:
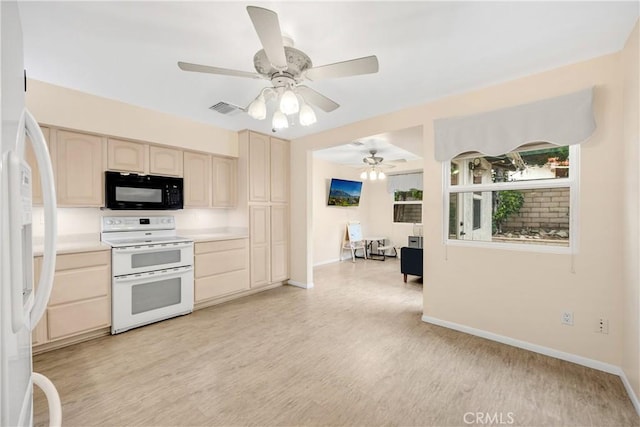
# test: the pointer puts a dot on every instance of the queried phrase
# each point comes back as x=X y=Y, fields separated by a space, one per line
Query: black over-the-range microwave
x=149 y=192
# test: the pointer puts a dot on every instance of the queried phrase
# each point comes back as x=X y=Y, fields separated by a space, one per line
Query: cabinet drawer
x=220 y=246
x=80 y=260
x=220 y=262
x=221 y=284
x=79 y=284
x=75 y=318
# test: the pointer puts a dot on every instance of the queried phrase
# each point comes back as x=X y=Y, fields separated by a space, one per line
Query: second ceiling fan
x=286 y=67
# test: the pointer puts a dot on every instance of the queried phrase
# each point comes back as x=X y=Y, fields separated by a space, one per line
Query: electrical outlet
x=567 y=318
x=602 y=326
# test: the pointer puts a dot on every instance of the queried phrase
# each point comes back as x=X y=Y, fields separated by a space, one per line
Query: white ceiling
x=426 y=50
x=403 y=145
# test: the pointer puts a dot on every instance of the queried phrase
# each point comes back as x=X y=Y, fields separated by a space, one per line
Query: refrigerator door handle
x=50 y=217
x=53 y=398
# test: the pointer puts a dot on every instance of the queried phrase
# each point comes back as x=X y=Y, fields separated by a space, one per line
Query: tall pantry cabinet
x=265 y=166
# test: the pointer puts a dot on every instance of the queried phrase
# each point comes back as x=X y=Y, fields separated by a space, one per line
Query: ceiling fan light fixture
x=258 y=108
x=307 y=116
x=363 y=175
x=279 y=120
x=373 y=175
x=381 y=175
x=289 y=102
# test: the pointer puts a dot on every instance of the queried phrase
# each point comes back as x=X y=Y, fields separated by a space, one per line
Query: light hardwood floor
x=351 y=351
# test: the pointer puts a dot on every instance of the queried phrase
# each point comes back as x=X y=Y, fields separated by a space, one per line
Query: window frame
x=405 y=202
x=571 y=182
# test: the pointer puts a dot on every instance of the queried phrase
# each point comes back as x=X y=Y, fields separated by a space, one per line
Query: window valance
x=404 y=182
x=564 y=120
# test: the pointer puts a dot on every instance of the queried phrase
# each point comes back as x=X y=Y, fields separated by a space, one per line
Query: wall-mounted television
x=343 y=192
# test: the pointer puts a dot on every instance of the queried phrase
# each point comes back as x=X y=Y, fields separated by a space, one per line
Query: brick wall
x=546 y=208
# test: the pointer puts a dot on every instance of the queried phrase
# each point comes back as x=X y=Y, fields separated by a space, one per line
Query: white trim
x=329 y=261
x=300 y=284
x=520 y=247
x=630 y=392
x=569 y=357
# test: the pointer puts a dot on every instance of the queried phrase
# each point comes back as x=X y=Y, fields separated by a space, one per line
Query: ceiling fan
x=287 y=67
x=373 y=170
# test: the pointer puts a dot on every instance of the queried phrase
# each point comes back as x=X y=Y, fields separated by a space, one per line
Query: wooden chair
x=352 y=240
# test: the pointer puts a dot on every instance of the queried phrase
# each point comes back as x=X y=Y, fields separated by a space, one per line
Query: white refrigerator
x=20 y=307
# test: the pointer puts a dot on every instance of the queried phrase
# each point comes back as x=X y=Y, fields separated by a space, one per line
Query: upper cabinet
x=35 y=172
x=279 y=169
x=165 y=161
x=80 y=164
x=267 y=167
x=197 y=180
x=224 y=173
x=127 y=156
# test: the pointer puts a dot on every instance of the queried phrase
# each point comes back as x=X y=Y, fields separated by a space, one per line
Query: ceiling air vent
x=226 y=108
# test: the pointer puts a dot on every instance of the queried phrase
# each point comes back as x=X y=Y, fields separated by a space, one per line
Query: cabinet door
x=197 y=181
x=165 y=161
x=224 y=174
x=35 y=172
x=79 y=163
x=259 y=186
x=279 y=243
x=279 y=169
x=259 y=224
x=126 y=156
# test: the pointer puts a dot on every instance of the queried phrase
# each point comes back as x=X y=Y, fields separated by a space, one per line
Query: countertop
x=213 y=234
x=72 y=243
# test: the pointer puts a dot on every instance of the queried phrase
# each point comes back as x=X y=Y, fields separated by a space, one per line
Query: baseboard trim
x=547 y=351
x=329 y=261
x=630 y=392
x=300 y=284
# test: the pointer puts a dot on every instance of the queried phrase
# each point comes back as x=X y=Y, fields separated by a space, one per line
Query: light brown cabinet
x=279 y=221
x=197 y=180
x=79 y=164
x=259 y=164
x=165 y=161
x=221 y=269
x=80 y=299
x=127 y=156
x=279 y=170
x=224 y=173
x=260 y=232
x=36 y=189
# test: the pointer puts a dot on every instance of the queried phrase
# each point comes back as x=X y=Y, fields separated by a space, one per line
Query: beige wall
x=59 y=106
x=519 y=294
x=329 y=221
x=631 y=212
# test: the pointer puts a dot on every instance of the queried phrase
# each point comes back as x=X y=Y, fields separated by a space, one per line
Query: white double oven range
x=152 y=270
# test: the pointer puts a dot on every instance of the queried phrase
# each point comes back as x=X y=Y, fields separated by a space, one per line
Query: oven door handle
x=152 y=247
x=170 y=272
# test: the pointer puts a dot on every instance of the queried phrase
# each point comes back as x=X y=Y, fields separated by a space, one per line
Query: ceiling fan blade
x=185 y=66
x=353 y=67
x=267 y=26
x=315 y=98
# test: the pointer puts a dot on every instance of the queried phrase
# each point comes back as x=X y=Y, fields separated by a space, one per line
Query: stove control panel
x=137 y=223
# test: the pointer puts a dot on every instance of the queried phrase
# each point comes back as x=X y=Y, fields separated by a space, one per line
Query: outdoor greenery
x=413 y=195
x=507 y=203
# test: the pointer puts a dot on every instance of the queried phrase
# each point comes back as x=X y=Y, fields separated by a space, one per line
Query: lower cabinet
x=80 y=300
x=268 y=228
x=221 y=268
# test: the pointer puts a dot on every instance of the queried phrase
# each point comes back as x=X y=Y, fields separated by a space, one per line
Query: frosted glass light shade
x=381 y=175
x=289 y=102
x=258 y=108
x=307 y=115
x=279 y=120
x=363 y=175
x=373 y=175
